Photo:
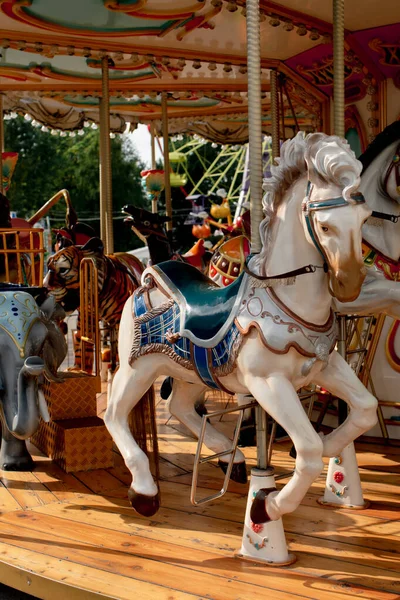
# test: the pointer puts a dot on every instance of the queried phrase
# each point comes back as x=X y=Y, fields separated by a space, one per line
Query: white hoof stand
x=263 y=542
x=343 y=485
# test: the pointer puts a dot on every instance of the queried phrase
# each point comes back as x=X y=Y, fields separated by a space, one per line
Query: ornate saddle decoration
x=373 y=259
x=201 y=326
x=228 y=261
x=280 y=329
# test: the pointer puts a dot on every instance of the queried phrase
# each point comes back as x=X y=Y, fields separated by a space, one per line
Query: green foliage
x=49 y=163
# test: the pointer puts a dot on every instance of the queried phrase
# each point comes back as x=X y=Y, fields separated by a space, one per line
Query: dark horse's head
x=145 y=223
x=74 y=235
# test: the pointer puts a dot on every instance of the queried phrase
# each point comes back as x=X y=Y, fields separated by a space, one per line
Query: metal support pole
x=338 y=67
x=1 y=142
x=274 y=113
x=106 y=220
x=167 y=168
x=254 y=119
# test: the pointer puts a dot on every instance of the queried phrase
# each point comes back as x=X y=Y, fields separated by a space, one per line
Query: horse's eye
x=325 y=229
x=146 y=223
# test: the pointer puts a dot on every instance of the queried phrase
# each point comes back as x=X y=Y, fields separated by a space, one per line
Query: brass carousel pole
x=167 y=168
x=349 y=492
x=106 y=220
x=274 y=549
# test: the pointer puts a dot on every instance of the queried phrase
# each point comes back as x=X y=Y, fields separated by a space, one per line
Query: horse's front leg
x=339 y=379
x=129 y=386
x=279 y=399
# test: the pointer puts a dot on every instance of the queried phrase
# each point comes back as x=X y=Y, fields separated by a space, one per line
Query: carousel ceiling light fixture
x=212 y=65
x=196 y=64
x=232 y=6
x=5 y=44
x=314 y=35
x=134 y=58
x=86 y=52
x=227 y=68
x=181 y=63
x=301 y=29
x=288 y=26
x=274 y=21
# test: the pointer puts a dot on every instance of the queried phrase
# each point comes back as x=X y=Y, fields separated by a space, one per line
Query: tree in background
x=48 y=163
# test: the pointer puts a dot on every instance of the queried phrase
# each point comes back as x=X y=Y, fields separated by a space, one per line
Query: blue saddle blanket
x=162 y=333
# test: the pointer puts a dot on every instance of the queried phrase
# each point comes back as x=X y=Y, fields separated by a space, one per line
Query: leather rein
x=394 y=165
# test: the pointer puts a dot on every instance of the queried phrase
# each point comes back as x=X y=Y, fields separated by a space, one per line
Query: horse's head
x=334 y=212
x=144 y=223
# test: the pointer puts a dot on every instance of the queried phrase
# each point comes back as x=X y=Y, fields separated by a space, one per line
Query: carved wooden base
x=263 y=542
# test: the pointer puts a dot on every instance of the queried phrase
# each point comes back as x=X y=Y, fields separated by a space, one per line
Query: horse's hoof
x=201 y=409
x=247 y=436
x=239 y=472
x=166 y=388
x=258 y=513
x=147 y=506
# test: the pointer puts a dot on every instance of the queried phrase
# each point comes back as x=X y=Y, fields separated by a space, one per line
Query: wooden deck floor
x=75 y=536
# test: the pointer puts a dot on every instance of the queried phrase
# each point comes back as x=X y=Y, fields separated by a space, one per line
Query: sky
x=142 y=142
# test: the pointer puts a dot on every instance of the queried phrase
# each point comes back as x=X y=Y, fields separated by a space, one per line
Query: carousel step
x=76 y=444
x=73 y=399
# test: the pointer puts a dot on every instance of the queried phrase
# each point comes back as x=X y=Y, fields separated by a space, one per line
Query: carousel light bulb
x=181 y=63
x=54 y=132
x=288 y=26
x=93 y=126
x=63 y=134
x=314 y=35
x=135 y=57
x=44 y=129
x=81 y=132
x=112 y=135
x=227 y=67
x=86 y=124
x=243 y=69
x=232 y=6
x=196 y=64
x=301 y=30
x=212 y=66
x=72 y=134
x=27 y=117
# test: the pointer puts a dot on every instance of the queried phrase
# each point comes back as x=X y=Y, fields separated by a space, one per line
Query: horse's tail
x=143 y=426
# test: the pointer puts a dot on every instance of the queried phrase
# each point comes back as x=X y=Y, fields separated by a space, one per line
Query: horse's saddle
x=206 y=310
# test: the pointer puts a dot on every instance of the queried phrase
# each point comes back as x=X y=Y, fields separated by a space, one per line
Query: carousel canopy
x=196 y=52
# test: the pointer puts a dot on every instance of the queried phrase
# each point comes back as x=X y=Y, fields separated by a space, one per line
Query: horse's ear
x=63 y=242
x=93 y=246
x=164 y=218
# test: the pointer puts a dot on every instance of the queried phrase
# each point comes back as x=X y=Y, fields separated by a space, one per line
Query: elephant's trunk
x=26 y=420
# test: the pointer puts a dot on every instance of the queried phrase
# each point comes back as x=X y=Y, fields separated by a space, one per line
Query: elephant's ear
x=94 y=247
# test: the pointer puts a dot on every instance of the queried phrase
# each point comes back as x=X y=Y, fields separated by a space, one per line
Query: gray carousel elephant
x=32 y=346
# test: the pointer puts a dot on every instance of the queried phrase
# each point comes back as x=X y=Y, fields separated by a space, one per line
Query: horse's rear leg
x=279 y=399
x=182 y=406
x=128 y=387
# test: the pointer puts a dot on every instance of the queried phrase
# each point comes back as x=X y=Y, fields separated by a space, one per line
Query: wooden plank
x=237 y=577
x=26 y=489
x=46 y=577
x=7 y=501
x=121 y=557
x=222 y=537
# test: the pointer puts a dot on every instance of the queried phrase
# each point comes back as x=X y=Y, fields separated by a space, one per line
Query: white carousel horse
x=276 y=341
x=380 y=179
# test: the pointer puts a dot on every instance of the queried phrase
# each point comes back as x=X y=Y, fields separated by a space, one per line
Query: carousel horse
x=119 y=276
x=380 y=292
x=252 y=338
x=149 y=227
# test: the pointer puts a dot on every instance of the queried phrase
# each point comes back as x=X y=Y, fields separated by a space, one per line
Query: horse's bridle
x=309 y=206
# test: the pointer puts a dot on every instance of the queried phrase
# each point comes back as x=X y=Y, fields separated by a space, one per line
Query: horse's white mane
x=327 y=157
